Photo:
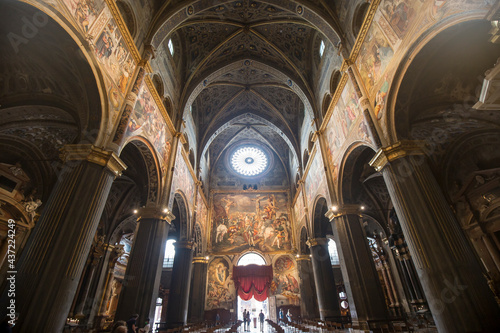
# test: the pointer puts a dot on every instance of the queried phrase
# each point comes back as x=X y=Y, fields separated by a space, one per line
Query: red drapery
x=252 y=280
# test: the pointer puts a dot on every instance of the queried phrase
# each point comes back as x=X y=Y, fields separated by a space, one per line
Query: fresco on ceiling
x=316 y=181
x=256 y=220
x=374 y=57
x=182 y=180
x=220 y=287
x=298 y=209
x=147 y=121
x=286 y=279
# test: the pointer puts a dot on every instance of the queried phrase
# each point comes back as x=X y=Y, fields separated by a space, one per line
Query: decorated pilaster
x=326 y=290
x=308 y=300
x=52 y=264
x=178 y=299
x=362 y=284
x=198 y=289
x=451 y=277
x=142 y=277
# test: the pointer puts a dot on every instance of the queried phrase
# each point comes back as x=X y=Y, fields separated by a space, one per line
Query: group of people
x=288 y=316
x=247 y=323
x=131 y=326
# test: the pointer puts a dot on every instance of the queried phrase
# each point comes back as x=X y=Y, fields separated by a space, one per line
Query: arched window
x=171 y=47
x=168 y=261
x=332 y=250
x=321 y=48
x=251 y=258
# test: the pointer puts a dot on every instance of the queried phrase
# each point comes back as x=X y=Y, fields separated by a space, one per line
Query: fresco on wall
x=299 y=208
x=374 y=57
x=182 y=179
x=220 y=287
x=400 y=14
x=344 y=115
x=257 y=220
x=316 y=181
x=85 y=12
x=147 y=121
x=95 y=19
x=286 y=279
x=201 y=211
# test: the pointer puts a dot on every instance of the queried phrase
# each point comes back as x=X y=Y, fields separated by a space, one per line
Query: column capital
x=93 y=154
x=184 y=244
x=303 y=257
x=316 y=241
x=155 y=213
x=393 y=152
x=350 y=209
x=201 y=260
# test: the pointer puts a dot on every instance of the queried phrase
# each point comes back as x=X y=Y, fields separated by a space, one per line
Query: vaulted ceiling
x=248 y=68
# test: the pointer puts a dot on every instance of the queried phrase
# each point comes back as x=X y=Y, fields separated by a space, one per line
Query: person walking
x=261 y=320
x=245 y=320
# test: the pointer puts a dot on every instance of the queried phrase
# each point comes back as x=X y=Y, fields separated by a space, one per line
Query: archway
x=252 y=305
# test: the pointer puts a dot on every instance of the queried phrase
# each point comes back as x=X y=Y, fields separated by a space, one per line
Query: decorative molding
x=155 y=213
x=316 y=241
x=90 y=153
x=184 y=245
x=399 y=149
x=344 y=210
x=200 y=260
x=303 y=257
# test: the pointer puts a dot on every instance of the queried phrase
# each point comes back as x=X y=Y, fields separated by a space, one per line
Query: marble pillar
x=178 y=298
x=142 y=277
x=198 y=290
x=451 y=277
x=328 y=302
x=52 y=263
x=364 y=292
x=308 y=298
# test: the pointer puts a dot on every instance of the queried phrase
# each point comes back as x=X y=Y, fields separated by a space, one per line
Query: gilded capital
x=316 y=241
x=302 y=257
x=400 y=149
x=335 y=211
x=184 y=245
x=90 y=153
x=157 y=213
x=200 y=260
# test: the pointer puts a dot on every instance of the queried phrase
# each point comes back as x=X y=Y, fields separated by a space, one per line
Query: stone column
x=52 y=263
x=198 y=290
x=178 y=298
x=308 y=300
x=458 y=295
x=366 y=297
x=142 y=277
x=328 y=303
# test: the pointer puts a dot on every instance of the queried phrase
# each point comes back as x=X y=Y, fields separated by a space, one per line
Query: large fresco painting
x=256 y=220
x=201 y=209
x=147 y=121
x=400 y=14
x=182 y=180
x=286 y=279
x=374 y=57
x=316 y=181
x=298 y=209
x=220 y=287
x=95 y=20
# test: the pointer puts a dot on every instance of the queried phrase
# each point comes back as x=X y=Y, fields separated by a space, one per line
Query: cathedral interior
x=151 y=150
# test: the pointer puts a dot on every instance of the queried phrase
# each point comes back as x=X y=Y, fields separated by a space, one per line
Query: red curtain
x=252 y=280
